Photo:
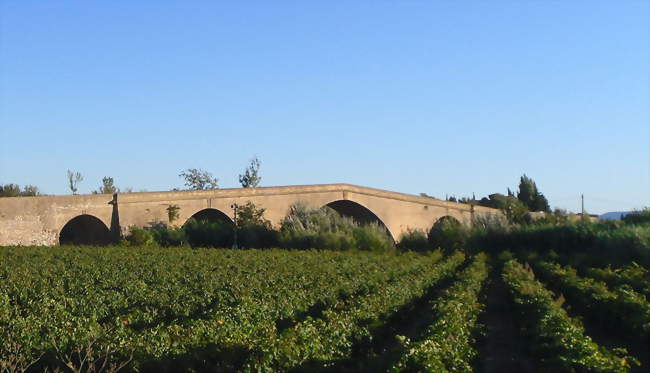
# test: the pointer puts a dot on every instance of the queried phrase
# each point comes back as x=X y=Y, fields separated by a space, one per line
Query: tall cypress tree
x=527 y=192
x=530 y=196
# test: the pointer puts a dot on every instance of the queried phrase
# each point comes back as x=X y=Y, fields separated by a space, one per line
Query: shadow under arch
x=444 y=223
x=447 y=219
x=85 y=230
x=211 y=215
x=358 y=212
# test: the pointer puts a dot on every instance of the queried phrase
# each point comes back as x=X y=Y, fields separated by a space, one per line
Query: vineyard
x=149 y=309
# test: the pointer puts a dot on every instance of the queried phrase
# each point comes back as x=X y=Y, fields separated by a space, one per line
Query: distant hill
x=614 y=215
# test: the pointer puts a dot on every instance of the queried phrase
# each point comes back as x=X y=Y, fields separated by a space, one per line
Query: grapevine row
x=447 y=344
x=558 y=340
x=632 y=275
x=332 y=336
x=595 y=299
x=170 y=302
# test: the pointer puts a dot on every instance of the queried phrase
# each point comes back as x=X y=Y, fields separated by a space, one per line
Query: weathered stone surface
x=39 y=220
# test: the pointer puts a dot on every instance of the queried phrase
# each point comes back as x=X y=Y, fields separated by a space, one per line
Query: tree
x=108 y=186
x=637 y=217
x=541 y=203
x=251 y=178
x=530 y=196
x=447 y=233
x=9 y=190
x=253 y=230
x=495 y=201
x=13 y=190
x=30 y=191
x=527 y=191
x=197 y=179
x=515 y=210
x=74 y=178
x=172 y=213
x=249 y=214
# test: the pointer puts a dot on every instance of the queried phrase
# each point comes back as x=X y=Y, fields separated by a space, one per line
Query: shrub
x=372 y=237
x=257 y=236
x=172 y=212
x=637 y=217
x=139 y=237
x=166 y=237
x=415 y=240
x=590 y=243
x=306 y=228
x=448 y=234
x=254 y=231
x=204 y=233
x=491 y=222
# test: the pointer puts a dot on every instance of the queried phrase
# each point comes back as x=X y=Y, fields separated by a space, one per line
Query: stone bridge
x=100 y=218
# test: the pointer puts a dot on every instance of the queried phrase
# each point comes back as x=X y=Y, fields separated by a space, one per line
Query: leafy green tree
x=495 y=201
x=530 y=196
x=249 y=214
x=251 y=178
x=13 y=190
x=557 y=217
x=515 y=210
x=9 y=190
x=139 y=237
x=448 y=233
x=414 y=239
x=172 y=213
x=527 y=191
x=541 y=203
x=253 y=229
x=30 y=191
x=637 y=217
x=74 y=178
x=107 y=187
x=197 y=179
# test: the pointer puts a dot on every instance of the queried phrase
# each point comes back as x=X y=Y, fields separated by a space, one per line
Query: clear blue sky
x=439 y=97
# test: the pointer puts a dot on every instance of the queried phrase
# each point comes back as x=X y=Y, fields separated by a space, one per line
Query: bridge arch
x=212 y=215
x=360 y=213
x=446 y=232
x=445 y=220
x=85 y=230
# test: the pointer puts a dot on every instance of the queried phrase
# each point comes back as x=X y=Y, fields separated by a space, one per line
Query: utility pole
x=582 y=197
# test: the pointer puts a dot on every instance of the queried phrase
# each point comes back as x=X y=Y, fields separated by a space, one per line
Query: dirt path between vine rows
x=502 y=348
